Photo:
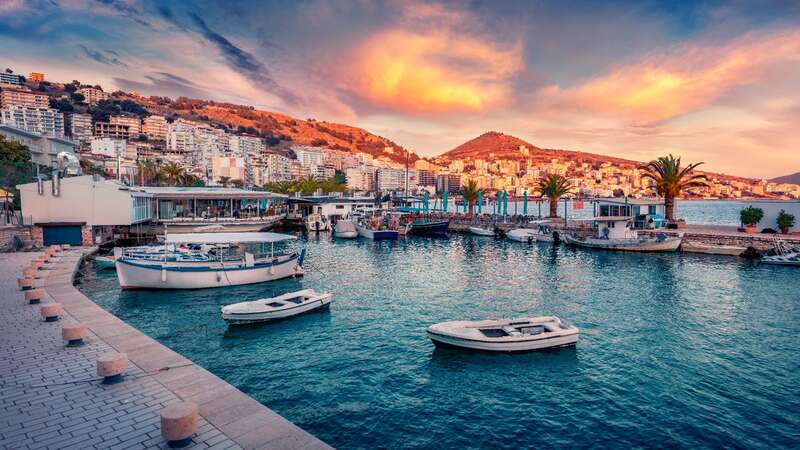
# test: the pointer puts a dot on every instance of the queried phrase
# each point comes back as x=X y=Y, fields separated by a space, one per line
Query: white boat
x=541 y=233
x=506 y=335
x=280 y=307
x=104 y=262
x=222 y=270
x=614 y=233
x=784 y=255
x=345 y=229
x=478 y=231
x=317 y=222
x=711 y=249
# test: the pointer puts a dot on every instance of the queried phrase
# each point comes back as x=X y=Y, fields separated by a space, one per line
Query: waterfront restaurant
x=197 y=206
x=334 y=207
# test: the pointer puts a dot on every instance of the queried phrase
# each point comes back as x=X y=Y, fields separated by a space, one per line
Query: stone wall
x=7 y=235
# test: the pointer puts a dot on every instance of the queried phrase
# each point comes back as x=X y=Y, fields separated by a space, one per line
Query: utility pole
x=406 y=175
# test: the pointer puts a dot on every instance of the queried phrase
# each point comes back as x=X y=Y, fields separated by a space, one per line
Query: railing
x=15 y=219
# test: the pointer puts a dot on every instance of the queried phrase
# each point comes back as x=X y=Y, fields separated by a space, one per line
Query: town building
x=134 y=124
x=109 y=147
x=35 y=77
x=44 y=121
x=230 y=167
x=390 y=179
x=361 y=178
x=44 y=149
x=80 y=127
x=448 y=182
x=112 y=130
x=155 y=127
x=11 y=79
x=93 y=95
x=23 y=97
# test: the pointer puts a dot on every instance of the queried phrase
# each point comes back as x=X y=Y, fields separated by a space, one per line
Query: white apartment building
x=80 y=127
x=155 y=127
x=243 y=146
x=112 y=130
x=44 y=149
x=10 y=78
x=108 y=147
x=134 y=124
x=93 y=95
x=389 y=179
x=278 y=168
x=23 y=97
x=44 y=121
x=361 y=178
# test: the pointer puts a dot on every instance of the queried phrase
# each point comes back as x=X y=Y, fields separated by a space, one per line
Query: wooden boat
x=280 y=307
x=345 y=229
x=508 y=335
x=614 y=233
x=711 y=249
x=478 y=231
x=134 y=272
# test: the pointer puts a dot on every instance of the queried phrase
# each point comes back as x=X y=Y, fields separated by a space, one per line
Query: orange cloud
x=690 y=78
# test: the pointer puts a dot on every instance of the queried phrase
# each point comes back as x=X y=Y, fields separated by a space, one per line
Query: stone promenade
x=52 y=398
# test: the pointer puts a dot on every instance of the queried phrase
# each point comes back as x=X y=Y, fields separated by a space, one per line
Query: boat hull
x=667 y=245
x=133 y=274
x=378 y=235
x=437 y=228
x=786 y=260
x=346 y=234
x=530 y=237
x=446 y=341
x=104 y=262
x=481 y=231
x=269 y=316
x=696 y=247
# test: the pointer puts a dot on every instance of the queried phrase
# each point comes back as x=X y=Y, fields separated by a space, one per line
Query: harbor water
x=692 y=351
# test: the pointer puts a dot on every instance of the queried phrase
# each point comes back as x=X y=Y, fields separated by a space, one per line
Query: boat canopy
x=226 y=238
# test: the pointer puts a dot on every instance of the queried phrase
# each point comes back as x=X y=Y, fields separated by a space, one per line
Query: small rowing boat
x=104 y=262
x=478 y=231
x=280 y=307
x=506 y=335
x=711 y=249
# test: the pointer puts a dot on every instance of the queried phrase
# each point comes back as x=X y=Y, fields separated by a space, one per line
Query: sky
x=711 y=81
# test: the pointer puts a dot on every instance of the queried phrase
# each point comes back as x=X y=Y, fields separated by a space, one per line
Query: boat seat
x=511 y=331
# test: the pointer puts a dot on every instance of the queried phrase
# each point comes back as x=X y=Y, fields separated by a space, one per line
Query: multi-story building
x=112 y=130
x=93 y=95
x=448 y=182
x=278 y=168
x=309 y=157
x=44 y=121
x=427 y=177
x=108 y=147
x=134 y=124
x=233 y=168
x=23 y=97
x=361 y=178
x=11 y=79
x=80 y=127
x=389 y=179
x=44 y=149
x=244 y=146
x=155 y=127
x=36 y=77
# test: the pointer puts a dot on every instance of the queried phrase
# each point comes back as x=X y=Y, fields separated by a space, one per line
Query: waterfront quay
x=51 y=396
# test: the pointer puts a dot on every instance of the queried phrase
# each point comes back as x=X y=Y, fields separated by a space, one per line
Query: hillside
x=276 y=127
x=793 y=178
x=493 y=145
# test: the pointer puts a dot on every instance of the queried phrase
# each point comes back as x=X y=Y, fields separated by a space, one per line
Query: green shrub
x=785 y=220
x=751 y=215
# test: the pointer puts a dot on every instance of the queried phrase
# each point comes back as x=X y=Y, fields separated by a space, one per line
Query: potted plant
x=785 y=221
x=749 y=217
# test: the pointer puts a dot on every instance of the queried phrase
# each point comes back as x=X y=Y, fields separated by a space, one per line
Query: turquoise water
x=675 y=351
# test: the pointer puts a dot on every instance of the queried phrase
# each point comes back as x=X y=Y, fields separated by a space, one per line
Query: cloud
x=165 y=84
x=98 y=56
x=661 y=87
x=427 y=63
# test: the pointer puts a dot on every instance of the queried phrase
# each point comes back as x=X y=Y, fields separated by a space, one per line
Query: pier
x=52 y=396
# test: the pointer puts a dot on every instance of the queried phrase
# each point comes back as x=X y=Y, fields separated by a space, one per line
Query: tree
x=13 y=151
x=237 y=183
x=224 y=181
x=147 y=171
x=670 y=179
x=279 y=187
x=171 y=172
x=470 y=192
x=305 y=185
x=77 y=97
x=554 y=186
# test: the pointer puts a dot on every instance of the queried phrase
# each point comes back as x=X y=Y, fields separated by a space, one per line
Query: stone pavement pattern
x=52 y=398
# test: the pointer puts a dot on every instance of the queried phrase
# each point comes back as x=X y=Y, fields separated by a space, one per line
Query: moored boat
x=275 y=308
x=221 y=270
x=542 y=233
x=614 y=233
x=783 y=255
x=505 y=335
x=104 y=262
x=478 y=231
x=345 y=229
x=428 y=227
x=711 y=249
x=378 y=235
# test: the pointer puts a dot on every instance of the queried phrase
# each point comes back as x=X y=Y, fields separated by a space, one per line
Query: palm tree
x=279 y=187
x=554 y=186
x=147 y=171
x=306 y=185
x=224 y=181
x=470 y=193
x=172 y=172
x=333 y=184
x=670 y=179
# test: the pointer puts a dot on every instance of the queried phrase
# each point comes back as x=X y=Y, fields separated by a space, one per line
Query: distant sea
x=706 y=212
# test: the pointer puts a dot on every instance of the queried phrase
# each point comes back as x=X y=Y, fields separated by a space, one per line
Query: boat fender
x=163 y=275
x=530 y=239
x=219 y=277
x=272 y=269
